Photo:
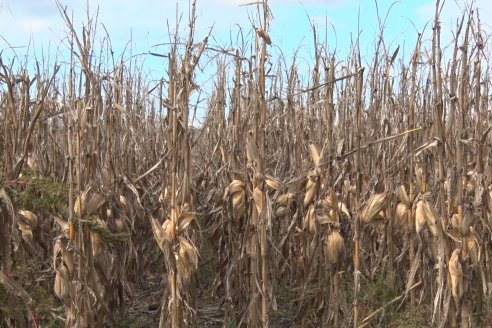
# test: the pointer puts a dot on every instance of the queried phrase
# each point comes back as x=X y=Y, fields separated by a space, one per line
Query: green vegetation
x=38 y=194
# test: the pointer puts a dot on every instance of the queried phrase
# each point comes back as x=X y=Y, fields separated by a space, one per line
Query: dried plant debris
x=348 y=192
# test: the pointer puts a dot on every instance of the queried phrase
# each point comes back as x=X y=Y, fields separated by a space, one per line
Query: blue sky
x=145 y=21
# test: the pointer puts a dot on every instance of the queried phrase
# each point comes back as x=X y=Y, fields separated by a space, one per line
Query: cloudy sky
x=38 y=22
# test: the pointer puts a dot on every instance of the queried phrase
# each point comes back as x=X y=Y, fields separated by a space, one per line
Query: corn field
x=351 y=194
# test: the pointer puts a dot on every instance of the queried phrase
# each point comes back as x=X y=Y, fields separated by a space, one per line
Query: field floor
x=143 y=308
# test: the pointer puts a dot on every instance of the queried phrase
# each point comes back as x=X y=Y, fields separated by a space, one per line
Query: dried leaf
x=184 y=219
x=62 y=224
x=273 y=184
x=402 y=193
x=125 y=204
x=344 y=209
x=264 y=35
x=324 y=218
x=160 y=234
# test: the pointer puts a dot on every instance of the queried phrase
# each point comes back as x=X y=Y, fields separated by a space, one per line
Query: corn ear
x=334 y=247
x=373 y=208
x=456 y=275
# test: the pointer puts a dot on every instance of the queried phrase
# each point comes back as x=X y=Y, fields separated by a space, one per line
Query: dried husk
x=469 y=183
x=79 y=206
x=85 y=205
x=68 y=260
x=94 y=203
x=169 y=231
x=239 y=203
x=284 y=199
x=343 y=209
x=419 y=175
x=473 y=249
x=466 y=222
x=62 y=282
x=489 y=199
x=258 y=197
x=332 y=213
x=326 y=215
x=236 y=186
x=281 y=211
x=375 y=204
x=312 y=188
x=432 y=217
x=120 y=224
x=334 y=247
x=264 y=35
x=125 y=204
x=420 y=219
x=64 y=266
x=273 y=184
x=97 y=244
x=163 y=234
x=401 y=216
x=184 y=220
x=26 y=232
x=402 y=193
x=165 y=197
x=29 y=218
x=455 y=222
x=309 y=222
x=456 y=276
x=62 y=224
x=237 y=192
x=313 y=151
x=187 y=259
x=323 y=217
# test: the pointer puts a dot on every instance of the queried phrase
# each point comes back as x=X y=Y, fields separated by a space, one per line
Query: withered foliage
x=298 y=190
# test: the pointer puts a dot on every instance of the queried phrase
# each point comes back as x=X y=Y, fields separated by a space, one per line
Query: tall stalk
x=358 y=125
